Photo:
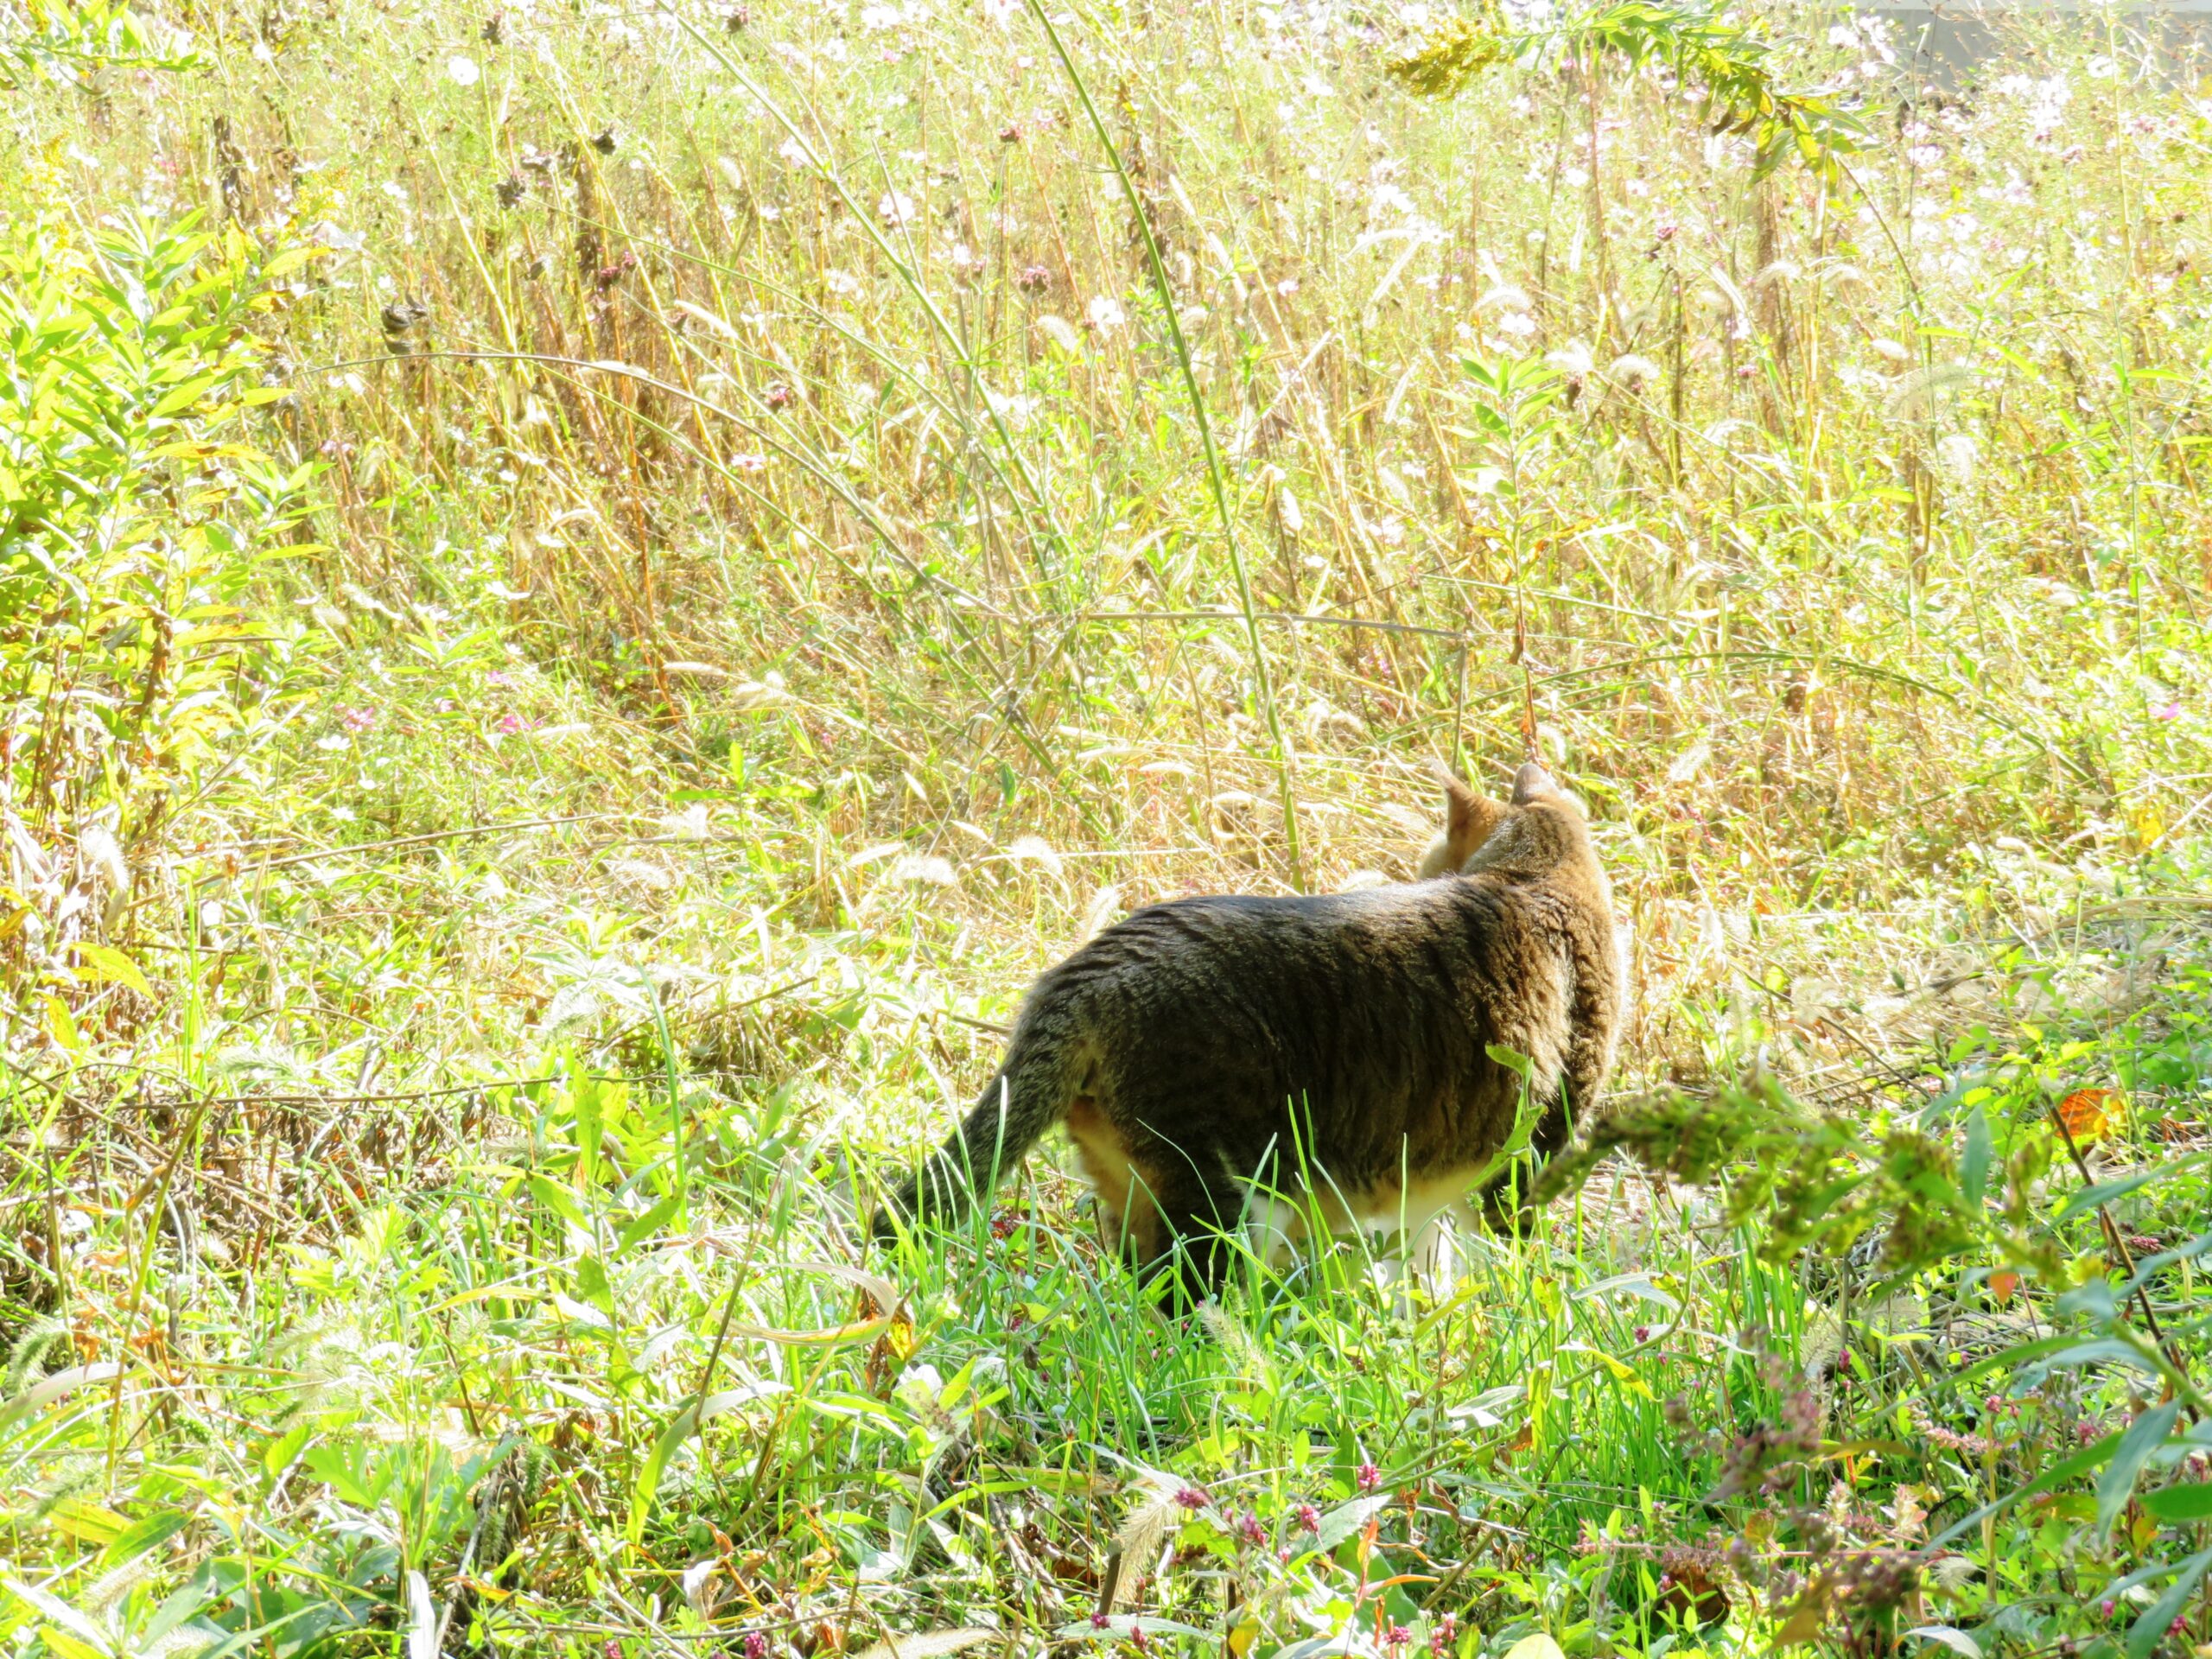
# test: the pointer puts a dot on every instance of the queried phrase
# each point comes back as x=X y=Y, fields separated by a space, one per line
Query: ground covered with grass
x=587 y=592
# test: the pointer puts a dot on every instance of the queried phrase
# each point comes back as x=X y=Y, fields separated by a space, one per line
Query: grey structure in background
x=1945 y=40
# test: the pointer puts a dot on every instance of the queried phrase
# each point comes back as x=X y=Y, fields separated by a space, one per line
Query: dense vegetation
x=588 y=591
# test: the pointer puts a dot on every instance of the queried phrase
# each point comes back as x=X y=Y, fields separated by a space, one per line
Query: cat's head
x=1539 y=825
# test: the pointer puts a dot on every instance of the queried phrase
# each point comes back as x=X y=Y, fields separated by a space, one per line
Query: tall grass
x=816 y=508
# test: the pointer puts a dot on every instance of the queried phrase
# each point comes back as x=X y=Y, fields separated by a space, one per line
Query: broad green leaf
x=2149 y=1629
x=2072 y=1469
x=61 y=1613
x=680 y=1428
x=2144 y=1436
x=142 y=1534
x=561 y=1202
x=647 y=1224
x=1974 y=1161
x=190 y=393
x=1345 y=1519
x=2191 y=1501
x=591 y=1279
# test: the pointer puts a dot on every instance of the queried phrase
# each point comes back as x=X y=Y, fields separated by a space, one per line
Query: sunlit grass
x=644 y=791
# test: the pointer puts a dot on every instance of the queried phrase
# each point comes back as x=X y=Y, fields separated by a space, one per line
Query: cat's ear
x=1532 y=782
x=1468 y=820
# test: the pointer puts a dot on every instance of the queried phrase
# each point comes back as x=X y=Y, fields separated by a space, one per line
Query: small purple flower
x=498 y=677
x=778 y=395
x=1033 y=279
x=1309 y=1517
x=1369 y=1477
x=1397 y=1636
x=510 y=724
x=756 y=1645
x=2105 y=1606
x=442 y=705
x=1440 y=1636
x=1137 y=1638
x=1192 y=1497
x=1643 y=1333
x=357 y=719
x=1100 y=1621
x=2177 y=1627
x=1250 y=1529
x=2167 y=711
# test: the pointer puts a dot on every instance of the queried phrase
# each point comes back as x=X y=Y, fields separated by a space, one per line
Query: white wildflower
x=1956 y=455
x=1571 y=359
x=1632 y=371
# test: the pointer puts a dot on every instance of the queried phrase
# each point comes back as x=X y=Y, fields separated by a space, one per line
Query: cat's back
x=1255 y=943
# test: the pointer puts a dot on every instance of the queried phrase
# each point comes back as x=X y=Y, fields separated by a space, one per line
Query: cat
x=1251 y=1062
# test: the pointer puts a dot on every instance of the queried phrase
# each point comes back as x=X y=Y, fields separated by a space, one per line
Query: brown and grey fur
x=1200 y=1050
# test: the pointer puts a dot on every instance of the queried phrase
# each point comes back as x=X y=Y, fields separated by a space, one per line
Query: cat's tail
x=1031 y=1093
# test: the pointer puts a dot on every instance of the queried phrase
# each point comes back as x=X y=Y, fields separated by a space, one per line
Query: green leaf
x=1974 y=1162
x=2144 y=1436
x=142 y=1534
x=591 y=1279
x=1345 y=1519
x=680 y=1428
x=2072 y=1469
x=61 y=1613
x=561 y=1202
x=647 y=1224
x=186 y=395
x=2147 y=1632
x=2191 y=1501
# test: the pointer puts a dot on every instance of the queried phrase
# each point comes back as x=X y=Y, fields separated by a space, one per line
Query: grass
x=715 y=544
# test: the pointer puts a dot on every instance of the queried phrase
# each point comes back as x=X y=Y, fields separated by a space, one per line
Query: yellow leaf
x=86 y=1522
x=62 y=1028
x=103 y=964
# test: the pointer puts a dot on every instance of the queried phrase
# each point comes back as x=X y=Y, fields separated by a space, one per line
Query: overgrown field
x=588 y=591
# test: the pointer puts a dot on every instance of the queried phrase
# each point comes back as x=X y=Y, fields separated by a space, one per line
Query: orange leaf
x=2002 y=1284
x=2090 y=1114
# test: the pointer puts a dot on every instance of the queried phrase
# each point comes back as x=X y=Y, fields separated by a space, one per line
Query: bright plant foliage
x=135 y=513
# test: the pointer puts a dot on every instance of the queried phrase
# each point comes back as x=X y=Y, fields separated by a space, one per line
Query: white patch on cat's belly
x=1402 y=1212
